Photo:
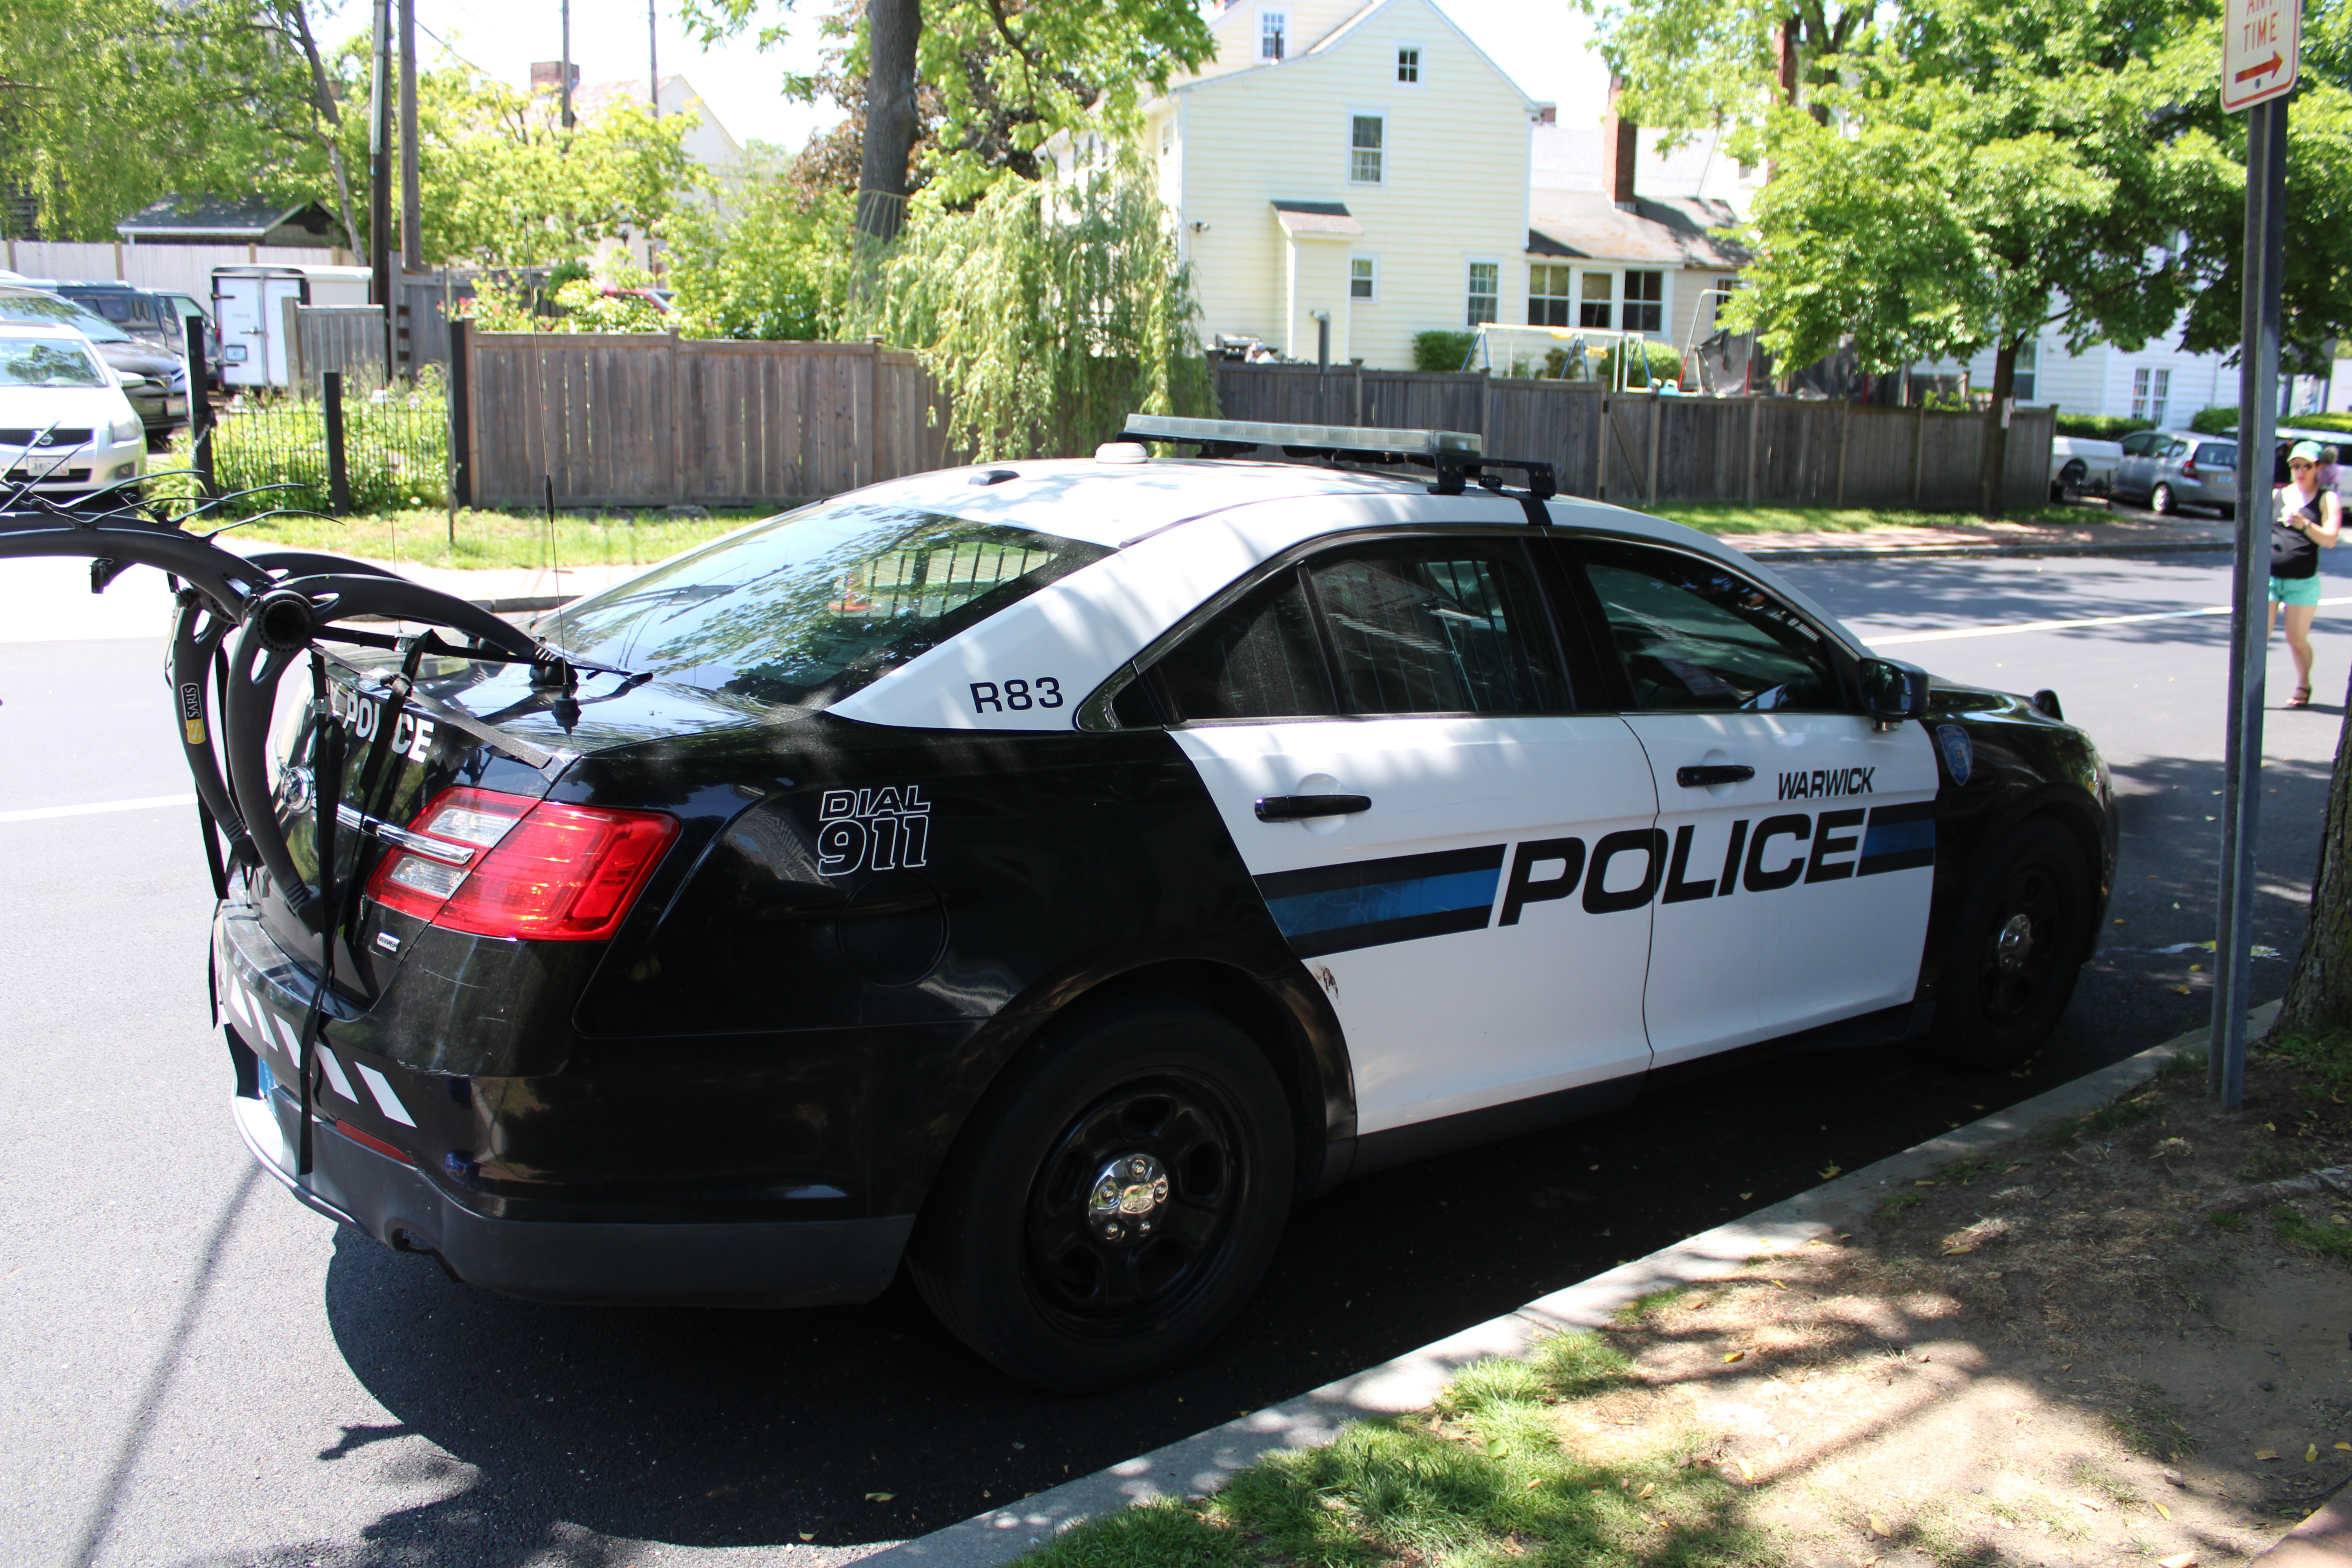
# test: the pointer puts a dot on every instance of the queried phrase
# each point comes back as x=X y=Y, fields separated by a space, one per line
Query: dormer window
x=1409 y=64
x=1273 y=34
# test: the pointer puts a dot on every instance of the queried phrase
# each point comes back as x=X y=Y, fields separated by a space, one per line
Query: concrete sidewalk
x=2103 y=535
x=1200 y=1464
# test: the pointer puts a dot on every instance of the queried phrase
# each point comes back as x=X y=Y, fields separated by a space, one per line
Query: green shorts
x=2295 y=590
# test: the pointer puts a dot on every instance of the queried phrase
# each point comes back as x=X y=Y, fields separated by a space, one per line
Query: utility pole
x=652 y=59
x=411 y=206
x=380 y=178
x=563 y=84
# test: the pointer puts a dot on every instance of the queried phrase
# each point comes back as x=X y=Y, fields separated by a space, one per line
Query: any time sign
x=2260 y=40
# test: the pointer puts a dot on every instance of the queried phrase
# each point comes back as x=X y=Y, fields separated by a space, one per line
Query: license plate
x=234 y=354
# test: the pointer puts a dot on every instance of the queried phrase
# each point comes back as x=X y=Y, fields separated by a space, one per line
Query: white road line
x=2055 y=625
x=44 y=813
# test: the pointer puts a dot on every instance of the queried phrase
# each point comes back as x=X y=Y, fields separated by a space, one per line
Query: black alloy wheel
x=1115 y=1199
x=1130 y=1209
x=2014 y=954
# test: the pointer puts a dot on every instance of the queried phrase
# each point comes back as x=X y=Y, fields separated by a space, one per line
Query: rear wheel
x=1115 y=1202
x=2160 y=501
x=2011 y=965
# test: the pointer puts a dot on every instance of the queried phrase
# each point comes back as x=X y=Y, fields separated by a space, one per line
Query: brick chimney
x=547 y=76
x=1618 y=137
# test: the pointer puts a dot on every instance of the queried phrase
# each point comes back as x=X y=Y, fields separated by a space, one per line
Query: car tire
x=2069 y=480
x=2160 y=501
x=2229 y=514
x=2011 y=959
x=1113 y=1202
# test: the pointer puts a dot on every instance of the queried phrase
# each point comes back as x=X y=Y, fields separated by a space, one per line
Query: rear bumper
x=751 y=1263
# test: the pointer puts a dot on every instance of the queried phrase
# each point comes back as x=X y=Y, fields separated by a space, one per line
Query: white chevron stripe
x=334 y=1071
x=389 y=1102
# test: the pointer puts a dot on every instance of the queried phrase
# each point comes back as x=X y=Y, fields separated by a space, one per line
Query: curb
x=1964 y=552
x=1196 y=1466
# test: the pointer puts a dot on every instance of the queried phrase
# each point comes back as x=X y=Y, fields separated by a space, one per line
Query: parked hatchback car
x=66 y=428
x=2169 y=470
x=155 y=382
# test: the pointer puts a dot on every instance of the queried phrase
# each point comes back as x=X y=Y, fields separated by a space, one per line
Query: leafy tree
x=1047 y=313
x=106 y=105
x=1690 y=63
x=502 y=183
x=1007 y=75
x=768 y=262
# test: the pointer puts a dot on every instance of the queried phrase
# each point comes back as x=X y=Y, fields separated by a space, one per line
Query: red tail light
x=508 y=865
x=2189 y=469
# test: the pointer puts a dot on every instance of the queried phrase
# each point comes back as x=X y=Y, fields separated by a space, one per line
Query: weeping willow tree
x=1047 y=313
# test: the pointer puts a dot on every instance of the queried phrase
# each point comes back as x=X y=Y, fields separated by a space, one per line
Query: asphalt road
x=200 y=1372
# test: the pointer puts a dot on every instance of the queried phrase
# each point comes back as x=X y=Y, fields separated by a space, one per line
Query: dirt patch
x=2116 y=1342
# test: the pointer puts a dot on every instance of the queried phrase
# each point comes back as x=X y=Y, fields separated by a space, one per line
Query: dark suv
x=153 y=316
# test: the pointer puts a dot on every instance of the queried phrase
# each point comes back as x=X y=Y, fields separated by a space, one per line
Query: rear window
x=808 y=607
x=2219 y=454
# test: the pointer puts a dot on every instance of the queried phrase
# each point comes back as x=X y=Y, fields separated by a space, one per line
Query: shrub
x=396 y=450
x=2101 y=427
x=1441 y=351
x=2213 y=421
x=1657 y=364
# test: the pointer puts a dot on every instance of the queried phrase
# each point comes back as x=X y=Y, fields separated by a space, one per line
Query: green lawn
x=1725 y=518
x=489 y=539
x=1480 y=1481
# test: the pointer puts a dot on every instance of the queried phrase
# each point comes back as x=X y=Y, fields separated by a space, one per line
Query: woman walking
x=2309 y=519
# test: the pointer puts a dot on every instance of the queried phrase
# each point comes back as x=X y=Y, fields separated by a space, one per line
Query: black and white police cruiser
x=1046 y=874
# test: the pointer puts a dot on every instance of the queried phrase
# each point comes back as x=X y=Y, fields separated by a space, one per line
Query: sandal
x=2301 y=697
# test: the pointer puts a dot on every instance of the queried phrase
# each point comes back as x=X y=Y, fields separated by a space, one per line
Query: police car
x=1043 y=875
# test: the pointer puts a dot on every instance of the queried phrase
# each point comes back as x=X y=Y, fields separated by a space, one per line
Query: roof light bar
x=1354 y=438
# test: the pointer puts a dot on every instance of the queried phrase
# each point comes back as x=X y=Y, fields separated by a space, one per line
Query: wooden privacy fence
x=320 y=338
x=1640 y=449
x=651 y=419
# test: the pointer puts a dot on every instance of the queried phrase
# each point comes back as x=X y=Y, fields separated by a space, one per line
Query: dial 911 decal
x=882 y=830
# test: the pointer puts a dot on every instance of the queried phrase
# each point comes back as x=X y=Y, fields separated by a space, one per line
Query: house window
x=1645 y=294
x=1723 y=288
x=1364 y=278
x=1599 y=290
x=1273 y=34
x=2021 y=379
x=1364 y=149
x=1409 y=64
x=2151 y=390
x=1485 y=292
x=1167 y=136
x=1547 y=295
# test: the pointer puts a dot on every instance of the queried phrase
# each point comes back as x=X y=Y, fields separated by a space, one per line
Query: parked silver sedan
x=2169 y=470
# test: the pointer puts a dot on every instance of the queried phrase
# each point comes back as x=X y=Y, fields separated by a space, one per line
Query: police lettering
x=1758 y=857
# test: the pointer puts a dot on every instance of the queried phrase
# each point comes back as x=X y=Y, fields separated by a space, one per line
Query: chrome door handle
x=1713 y=773
x=1299 y=807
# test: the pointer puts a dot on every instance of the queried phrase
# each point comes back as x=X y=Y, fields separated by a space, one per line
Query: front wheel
x=2021 y=939
x=1113 y=1202
x=2160 y=501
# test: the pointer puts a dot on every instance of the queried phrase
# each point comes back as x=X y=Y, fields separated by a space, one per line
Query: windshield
x=64 y=313
x=810 y=606
x=44 y=362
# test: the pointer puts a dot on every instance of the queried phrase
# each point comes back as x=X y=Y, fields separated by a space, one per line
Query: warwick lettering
x=1825 y=781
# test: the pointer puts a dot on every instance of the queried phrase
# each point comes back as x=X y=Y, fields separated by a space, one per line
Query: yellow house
x=1360 y=162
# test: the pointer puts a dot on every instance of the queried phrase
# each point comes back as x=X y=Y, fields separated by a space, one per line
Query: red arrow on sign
x=2264 y=68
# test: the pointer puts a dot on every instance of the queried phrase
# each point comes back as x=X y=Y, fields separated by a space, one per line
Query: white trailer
x=249 y=306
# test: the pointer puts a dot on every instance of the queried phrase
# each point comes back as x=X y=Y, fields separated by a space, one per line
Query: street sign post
x=2259 y=49
x=2262 y=41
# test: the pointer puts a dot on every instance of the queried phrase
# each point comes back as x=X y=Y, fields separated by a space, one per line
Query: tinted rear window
x=2221 y=454
x=808 y=607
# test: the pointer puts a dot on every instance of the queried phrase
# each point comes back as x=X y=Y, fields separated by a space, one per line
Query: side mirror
x=1893 y=691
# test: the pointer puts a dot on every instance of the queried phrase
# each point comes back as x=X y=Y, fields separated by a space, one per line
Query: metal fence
x=394 y=445
x=1644 y=449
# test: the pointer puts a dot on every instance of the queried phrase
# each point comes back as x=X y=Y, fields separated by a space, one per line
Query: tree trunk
x=2319 y=996
x=323 y=98
x=1994 y=459
x=894 y=29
